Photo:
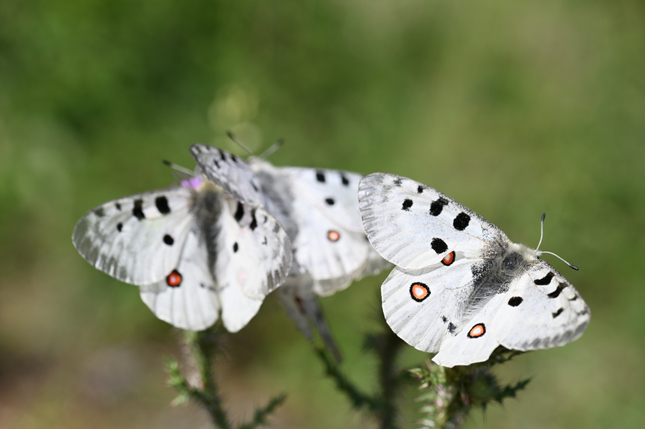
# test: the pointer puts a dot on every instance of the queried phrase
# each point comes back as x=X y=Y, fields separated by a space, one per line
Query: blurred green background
x=512 y=108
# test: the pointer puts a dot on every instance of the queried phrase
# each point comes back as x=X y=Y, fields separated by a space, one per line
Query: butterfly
x=194 y=251
x=319 y=210
x=460 y=287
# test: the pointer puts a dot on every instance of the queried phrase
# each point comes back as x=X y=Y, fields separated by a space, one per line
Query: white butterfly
x=319 y=210
x=461 y=287
x=192 y=249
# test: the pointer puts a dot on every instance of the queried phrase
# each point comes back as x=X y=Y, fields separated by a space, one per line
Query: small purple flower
x=193 y=182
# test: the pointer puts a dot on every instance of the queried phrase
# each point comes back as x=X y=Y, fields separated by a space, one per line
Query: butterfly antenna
x=178 y=168
x=541 y=232
x=562 y=259
x=551 y=253
x=240 y=143
x=275 y=146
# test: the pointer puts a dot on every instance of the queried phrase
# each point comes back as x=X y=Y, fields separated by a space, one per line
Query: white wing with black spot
x=253 y=250
x=129 y=238
x=187 y=297
x=540 y=310
x=323 y=220
x=414 y=226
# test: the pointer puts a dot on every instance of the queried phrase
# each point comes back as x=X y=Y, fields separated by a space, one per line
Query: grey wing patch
x=229 y=172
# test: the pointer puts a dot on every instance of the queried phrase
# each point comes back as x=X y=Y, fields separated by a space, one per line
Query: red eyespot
x=419 y=291
x=449 y=258
x=333 y=235
x=174 y=279
x=477 y=331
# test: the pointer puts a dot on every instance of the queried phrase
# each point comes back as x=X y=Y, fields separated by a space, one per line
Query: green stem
x=203 y=346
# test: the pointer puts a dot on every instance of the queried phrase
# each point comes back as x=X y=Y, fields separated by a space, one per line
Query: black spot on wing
x=320 y=176
x=557 y=291
x=137 y=210
x=235 y=247
x=438 y=245
x=544 y=280
x=330 y=201
x=100 y=212
x=407 y=203
x=119 y=227
x=437 y=206
x=515 y=301
x=444 y=319
x=168 y=240
x=344 y=179
x=118 y=206
x=162 y=205
x=239 y=213
x=557 y=313
x=451 y=327
x=398 y=181
x=420 y=189
x=254 y=222
x=234 y=158
x=461 y=221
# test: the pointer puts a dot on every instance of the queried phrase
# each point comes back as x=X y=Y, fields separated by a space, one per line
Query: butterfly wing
x=322 y=212
x=228 y=171
x=414 y=226
x=136 y=239
x=540 y=310
x=253 y=257
x=424 y=307
x=187 y=297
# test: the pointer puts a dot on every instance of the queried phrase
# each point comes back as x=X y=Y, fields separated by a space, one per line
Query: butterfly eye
x=449 y=258
x=174 y=279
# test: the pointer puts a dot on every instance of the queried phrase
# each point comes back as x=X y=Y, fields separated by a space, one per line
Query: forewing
x=229 y=172
x=187 y=297
x=253 y=251
x=541 y=310
x=415 y=226
x=136 y=239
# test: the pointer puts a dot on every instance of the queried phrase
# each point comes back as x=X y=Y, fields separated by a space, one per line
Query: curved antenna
x=562 y=259
x=275 y=146
x=541 y=232
x=178 y=168
x=550 y=253
x=240 y=143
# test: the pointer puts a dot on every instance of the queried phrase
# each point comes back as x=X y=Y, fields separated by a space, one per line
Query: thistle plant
x=446 y=395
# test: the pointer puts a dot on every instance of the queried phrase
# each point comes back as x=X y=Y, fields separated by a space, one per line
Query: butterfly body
x=461 y=288
x=193 y=250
